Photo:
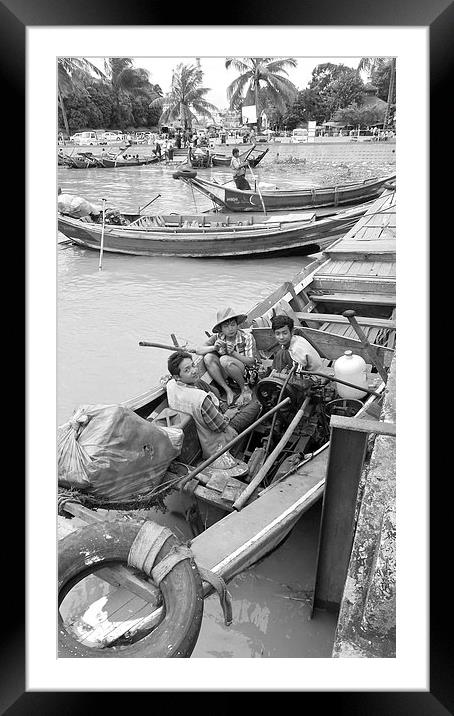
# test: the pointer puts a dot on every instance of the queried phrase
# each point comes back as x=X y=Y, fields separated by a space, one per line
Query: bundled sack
x=112 y=453
x=76 y=207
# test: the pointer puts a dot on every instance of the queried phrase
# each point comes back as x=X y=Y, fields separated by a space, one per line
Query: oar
x=350 y=314
x=102 y=234
x=230 y=444
x=255 y=482
x=150 y=202
x=258 y=188
x=166 y=347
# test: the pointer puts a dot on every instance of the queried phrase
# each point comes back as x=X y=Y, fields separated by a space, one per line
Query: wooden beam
x=336 y=318
x=369 y=299
x=363 y=425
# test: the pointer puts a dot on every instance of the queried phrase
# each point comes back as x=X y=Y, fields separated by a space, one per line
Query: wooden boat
x=109 y=162
x=223 y=160
x=231 y=199
x=208 y=235
x=239 y=521
x=84 y=160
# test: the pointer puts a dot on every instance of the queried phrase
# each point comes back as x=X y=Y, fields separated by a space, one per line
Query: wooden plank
x=353 y=284
x=333 y=346
x=371 y=299
x=337 y=318
x=380 y=427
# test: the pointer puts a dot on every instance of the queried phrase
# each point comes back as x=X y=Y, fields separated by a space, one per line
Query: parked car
x=84 y=139
x=112 y=137
x=299 y=136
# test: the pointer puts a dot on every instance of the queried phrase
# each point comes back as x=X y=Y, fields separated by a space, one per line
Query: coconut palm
x=71 y=73
x=127 y=81
x=186 y=99
x=261 y=81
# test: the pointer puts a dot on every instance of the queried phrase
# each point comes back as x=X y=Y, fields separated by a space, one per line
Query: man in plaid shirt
x=229 y=353
x=189 y=394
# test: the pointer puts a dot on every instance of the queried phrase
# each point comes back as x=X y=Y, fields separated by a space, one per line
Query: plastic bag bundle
x=76 y=206
x=112 y=453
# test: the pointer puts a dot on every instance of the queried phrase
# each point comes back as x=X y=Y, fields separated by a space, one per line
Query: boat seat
x=371 y=298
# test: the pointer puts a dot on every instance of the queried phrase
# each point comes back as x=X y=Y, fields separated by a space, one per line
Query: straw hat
x=225 y=314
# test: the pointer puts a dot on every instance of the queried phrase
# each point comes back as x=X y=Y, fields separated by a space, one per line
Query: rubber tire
x=175 y=636
x=184 y=173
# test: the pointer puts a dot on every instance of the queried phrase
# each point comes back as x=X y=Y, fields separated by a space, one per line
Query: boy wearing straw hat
x=229 y=353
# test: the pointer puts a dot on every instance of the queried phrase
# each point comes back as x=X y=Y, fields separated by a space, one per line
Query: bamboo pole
x=255 y=482
x=258 y=188
x=102 y=234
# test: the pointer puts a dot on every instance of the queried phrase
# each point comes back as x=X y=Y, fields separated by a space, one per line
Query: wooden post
x=347 y=449
x=102 y=233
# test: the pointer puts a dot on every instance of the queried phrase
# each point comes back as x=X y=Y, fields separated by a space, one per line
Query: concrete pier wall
x=367 y=617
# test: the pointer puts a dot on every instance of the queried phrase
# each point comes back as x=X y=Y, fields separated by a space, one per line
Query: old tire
x=95 y=544
x=184 y=174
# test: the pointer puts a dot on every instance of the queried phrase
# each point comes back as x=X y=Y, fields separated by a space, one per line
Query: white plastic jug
x=351 y=368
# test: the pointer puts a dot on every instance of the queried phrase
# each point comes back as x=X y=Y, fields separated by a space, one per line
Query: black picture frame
x=15 y=17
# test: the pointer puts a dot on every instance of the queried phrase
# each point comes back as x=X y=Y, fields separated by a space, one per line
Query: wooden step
x=370 y=299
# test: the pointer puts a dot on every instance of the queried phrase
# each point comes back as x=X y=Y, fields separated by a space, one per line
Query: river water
x=103 y=314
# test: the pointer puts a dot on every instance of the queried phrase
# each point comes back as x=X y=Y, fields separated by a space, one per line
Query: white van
x=299 y=135
x=84 y=139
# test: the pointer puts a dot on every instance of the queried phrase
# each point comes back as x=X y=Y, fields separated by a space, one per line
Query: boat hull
x=303 y=237
x=282 y=200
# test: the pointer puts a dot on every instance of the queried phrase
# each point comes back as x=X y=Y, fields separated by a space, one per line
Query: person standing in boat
x=189 y=394
x=230 y=354
x=293 y=348
x=239 y=171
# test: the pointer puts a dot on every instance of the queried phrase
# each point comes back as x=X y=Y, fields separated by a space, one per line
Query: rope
x=153 y=498
x=145 y=548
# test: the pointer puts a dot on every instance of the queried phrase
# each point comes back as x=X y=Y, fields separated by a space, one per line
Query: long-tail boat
x=215 y=234
x=232 y=199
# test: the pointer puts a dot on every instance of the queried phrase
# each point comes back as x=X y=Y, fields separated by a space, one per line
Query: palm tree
x=126 y=80
x=260 y=80
x=71 y=73
x=186 y=99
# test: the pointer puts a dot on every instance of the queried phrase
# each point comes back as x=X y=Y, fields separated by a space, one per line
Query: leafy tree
x=337 y=86
x=307 y=106
x=71 y=74
x=261 y=82
x=186 y=99
x=358 y=116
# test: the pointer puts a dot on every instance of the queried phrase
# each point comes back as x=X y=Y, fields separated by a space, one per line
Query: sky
x=217 y=78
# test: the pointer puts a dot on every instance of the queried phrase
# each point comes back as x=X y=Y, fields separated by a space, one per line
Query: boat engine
x=313 y=430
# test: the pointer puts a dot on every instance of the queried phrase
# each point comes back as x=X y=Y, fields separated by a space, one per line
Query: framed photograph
x=33 y=40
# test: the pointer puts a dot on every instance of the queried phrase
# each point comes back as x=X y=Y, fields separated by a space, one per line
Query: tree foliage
x=116 y=99
x=261 y=82
x=336 y=86
x=355 y=115
x=186 y=100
